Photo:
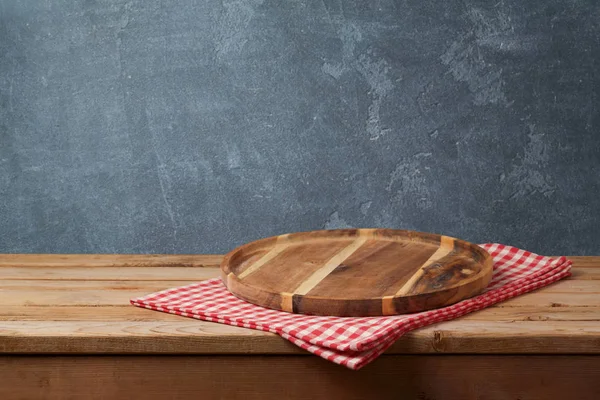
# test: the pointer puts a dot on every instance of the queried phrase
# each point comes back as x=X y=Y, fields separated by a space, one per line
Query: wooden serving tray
x=356 y=272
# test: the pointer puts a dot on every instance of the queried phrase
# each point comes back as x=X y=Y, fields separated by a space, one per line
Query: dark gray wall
x=191 y=127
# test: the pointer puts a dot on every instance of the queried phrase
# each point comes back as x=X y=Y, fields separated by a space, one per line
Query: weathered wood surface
x=357 y=272
x=423 y=377
x=79 y=304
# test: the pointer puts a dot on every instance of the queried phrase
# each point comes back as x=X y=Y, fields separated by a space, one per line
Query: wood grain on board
x=357 y=272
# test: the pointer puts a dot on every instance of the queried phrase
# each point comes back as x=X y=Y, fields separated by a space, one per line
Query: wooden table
x=67 y=331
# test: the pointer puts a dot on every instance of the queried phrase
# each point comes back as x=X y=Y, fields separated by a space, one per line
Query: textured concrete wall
x=195 y=126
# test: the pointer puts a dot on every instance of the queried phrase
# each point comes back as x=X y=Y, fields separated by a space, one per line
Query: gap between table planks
x=80 y=304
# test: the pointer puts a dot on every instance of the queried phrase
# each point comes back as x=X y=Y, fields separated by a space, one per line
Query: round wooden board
x=356 y=272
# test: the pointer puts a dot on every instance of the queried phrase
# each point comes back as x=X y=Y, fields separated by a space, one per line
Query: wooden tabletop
x=79 y=304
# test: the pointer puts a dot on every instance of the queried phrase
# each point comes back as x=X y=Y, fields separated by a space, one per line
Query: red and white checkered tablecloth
x=349 y=341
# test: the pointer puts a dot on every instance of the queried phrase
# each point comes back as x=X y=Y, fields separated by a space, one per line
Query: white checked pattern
x=349 y=341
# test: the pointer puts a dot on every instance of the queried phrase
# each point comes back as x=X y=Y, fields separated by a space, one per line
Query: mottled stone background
x=196 y=126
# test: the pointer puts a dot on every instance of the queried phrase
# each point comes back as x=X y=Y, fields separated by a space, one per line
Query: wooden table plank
x=542 y=299
x=113 y=273
x=585 y=273
x=109 y=260
x=585 y=261
x=458 y=377
x=189 y=336
x=130 y=313
x=82 y=293
x=76 y=308
x=106 y=293
x=50 y=305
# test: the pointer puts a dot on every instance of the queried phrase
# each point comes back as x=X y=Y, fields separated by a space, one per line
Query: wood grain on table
x=80 y=304
x=67 y=330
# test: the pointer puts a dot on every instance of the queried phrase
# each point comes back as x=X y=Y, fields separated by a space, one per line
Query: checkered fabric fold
x=349 y=341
